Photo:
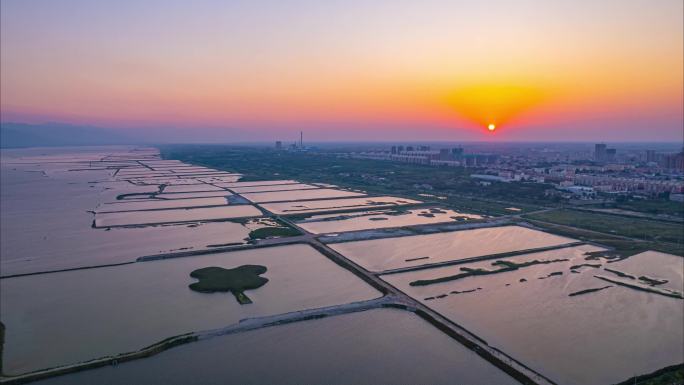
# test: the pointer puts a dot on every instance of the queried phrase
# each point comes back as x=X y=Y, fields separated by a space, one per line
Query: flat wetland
x=326 y=205
x=667 y=268
x=202 y=194
x=302 y=195
x=596 y=313
x=86 y=314
x=132 y=218
x=270 y=188
x=364 y=220
x=160 y=204
x=602 y=334
x=230 y=185
x=383 y=346
x=190 y=188
x=394 y=253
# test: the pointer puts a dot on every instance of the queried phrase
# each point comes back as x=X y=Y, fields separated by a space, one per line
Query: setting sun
x=491 y=127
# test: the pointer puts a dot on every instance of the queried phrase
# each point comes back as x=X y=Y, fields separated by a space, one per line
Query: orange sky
x=431 y=70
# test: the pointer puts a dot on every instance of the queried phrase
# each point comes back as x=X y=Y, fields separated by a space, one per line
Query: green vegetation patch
x=492 y=208
x=581 y=265
x=237 y=280
x=673 y=375
x=652 y=281
x=623 y=247
x=660 y=206
x=587 y=291
x=637 y=286
x=612 y=224
x=645 y=279
x=273 y=232
x=469 y=272
x=372 y=176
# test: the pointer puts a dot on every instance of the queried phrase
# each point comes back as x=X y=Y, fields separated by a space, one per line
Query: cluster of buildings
x=603 y=154
x=665 y=161
x=623 y=184
x=427 y=156
x=652 y=158
x=638 y=173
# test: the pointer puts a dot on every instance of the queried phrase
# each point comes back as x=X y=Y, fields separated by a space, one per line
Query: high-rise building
x=457 y=152
x=610 y=154
x=650 y=156
x=600 y=152
x=394 y=149
x=444 y=154
x=279 y=145
x=674 y=161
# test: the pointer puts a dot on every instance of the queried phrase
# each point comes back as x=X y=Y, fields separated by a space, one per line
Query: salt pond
x=86 y=314
x=46 y=205
x=652 y=264
x=549 y=318
x=169 y=181
x=221 y=178
x=201 y=194
x=317 y=206
x=190 y=188
x=278 y=196
x=160 y=204
x=393 y=253
x=283 y=187
x=257 y=183
x=132 y=218
x=378 y=219
x=383 y=346
x=73 y=246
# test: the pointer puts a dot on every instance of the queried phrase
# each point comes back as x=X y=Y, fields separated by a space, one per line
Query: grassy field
x=612 y=224
x=375 y=177
x=653 y=207
x=493 y=208
x=622 y=246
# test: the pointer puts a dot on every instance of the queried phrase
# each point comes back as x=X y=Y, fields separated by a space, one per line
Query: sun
x=491 y=127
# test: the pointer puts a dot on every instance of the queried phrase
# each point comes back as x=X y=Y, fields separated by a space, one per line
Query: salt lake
x=86 y=314
x=393 y=253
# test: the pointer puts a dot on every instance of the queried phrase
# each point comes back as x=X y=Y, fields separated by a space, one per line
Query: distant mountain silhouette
x=58 y=134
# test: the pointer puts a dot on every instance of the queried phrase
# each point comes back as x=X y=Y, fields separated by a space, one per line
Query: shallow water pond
x=383 y=346
x=364 y=220
x=569 y=326
x=394 y=253
x=317 y=206
x=87 y=314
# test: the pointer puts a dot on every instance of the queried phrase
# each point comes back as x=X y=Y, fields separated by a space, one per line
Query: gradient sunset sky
x=580 y=70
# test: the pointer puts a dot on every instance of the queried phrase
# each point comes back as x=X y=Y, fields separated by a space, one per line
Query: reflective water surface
x=599 y=337
x=86 y=314
x=363 y=220
x=383 y=346
x=317 y=206
x=300 y=195
x=392 y=253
